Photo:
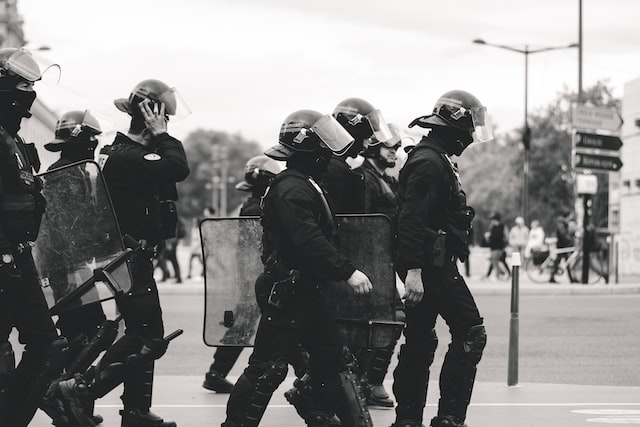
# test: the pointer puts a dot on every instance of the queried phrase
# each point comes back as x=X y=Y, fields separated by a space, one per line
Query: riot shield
x=231 y=253
x=79 y=252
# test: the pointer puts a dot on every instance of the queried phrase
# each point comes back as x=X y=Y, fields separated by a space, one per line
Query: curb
x=189 y=287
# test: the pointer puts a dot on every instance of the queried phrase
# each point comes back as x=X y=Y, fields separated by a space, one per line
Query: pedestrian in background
x=497 y=244
x=518 y=236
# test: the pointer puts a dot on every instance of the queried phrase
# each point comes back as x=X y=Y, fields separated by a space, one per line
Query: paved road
x=578 y=361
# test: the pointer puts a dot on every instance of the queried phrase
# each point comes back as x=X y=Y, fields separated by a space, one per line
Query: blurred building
x=626 y=192
x=39 y=129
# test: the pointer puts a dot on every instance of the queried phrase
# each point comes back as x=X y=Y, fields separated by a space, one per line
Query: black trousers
x=446 y=295
x=23 y=306
x=306 y=320
x=142 y=315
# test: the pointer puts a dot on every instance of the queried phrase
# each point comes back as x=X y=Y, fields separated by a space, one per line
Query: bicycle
x=540 y=270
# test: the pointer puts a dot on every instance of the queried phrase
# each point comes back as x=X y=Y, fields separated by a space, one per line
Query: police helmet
x=75 y=127
x=155 y=92
x=371 y=146
x=361 y=119
x=309 y=131
x=459 y=110
x=21 y=63
x=258 y=172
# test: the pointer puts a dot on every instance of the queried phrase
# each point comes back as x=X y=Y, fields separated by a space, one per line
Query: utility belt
x=284 y=281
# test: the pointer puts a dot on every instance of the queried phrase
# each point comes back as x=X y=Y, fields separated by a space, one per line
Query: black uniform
x=380 y=191
x=345 y=187
x=431 y=200
x=142 y=183
x=22 y=303
x=380 y=197
x=298 y=228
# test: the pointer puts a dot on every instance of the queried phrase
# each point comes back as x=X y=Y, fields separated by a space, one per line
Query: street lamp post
x=526 y=135
x=514 y=324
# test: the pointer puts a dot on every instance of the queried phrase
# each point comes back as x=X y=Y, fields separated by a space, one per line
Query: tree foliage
x=208 y=152
x=492 y=173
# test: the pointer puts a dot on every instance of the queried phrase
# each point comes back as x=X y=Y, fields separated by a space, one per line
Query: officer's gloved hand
x=360 y=283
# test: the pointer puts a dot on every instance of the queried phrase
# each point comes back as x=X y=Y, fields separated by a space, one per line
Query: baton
x=173 y=335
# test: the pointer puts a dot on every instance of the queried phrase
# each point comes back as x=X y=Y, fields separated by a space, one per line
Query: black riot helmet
x=19 y=70
x=308 y=131
x=308 y=139
x=258 y=173
x=75 y=128
x=460 y=111
x=361 y=119
x=155 y=92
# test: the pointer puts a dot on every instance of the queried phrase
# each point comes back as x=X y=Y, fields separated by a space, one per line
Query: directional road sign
x=597 y=162
x=600 y=142
x=588 y=117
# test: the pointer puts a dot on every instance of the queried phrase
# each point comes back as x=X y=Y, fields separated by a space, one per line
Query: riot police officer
x=433 y=232
x=141 y=169
x=75 y=139
x=258 y=173
x=380 y=197
x=299 y=258
x=22 y=303
x=345 y=186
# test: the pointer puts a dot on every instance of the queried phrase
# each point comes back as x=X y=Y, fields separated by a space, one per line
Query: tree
x=492 y=173
x=208 y=151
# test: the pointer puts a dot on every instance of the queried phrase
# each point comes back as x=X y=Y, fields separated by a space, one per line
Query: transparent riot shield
x=231 y=255
x=231 y=251
x=79 y=253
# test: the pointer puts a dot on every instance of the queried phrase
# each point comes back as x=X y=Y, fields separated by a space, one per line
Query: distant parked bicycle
x=539 y=266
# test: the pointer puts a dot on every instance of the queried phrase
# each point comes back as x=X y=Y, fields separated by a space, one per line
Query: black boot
x=446 y=421
x=407 y=423
x=216 y=382
x=136 y=418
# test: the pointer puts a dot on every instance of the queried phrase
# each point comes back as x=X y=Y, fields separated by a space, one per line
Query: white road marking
x=552 y=404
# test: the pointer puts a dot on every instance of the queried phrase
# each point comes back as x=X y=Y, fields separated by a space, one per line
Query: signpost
x=600 y=118
x=596 y=141
x=593 y=152
x=597 y=162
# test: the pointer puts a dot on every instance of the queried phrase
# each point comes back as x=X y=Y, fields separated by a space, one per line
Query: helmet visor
x=379 y=126
x=174 y=104
x=332 y=134
x=482 y=130
x=393 y=142
x=32 y=67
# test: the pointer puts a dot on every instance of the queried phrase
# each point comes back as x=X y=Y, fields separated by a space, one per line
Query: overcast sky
x=244 y=65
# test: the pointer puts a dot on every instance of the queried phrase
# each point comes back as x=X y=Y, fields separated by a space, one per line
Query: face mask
x=22 y=102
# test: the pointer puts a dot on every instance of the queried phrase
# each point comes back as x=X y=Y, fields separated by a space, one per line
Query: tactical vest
x=21 y=203
x=273 y=242
x=458 y=215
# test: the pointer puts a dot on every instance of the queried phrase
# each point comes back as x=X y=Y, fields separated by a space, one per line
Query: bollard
x=512 y=376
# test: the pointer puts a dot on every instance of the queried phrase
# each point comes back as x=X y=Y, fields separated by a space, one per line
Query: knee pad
x=474 y=343
x=266 y=384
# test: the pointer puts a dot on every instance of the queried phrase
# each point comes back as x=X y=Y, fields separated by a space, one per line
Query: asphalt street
x=578 y=360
